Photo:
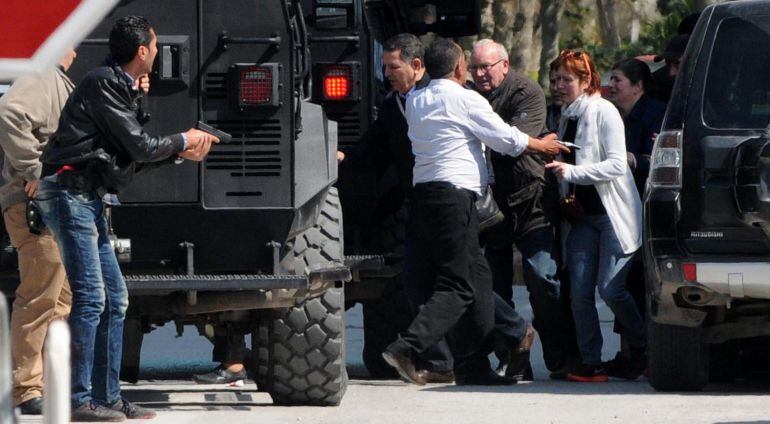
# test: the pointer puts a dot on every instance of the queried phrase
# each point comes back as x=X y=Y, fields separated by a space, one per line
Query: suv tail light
x=256 y=85
x=339 y=81
x=666 y=163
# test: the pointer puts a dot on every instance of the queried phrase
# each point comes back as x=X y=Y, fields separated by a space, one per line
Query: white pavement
x=180 y=401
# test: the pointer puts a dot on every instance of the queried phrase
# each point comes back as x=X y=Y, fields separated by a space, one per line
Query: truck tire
x=389 y=314
x=678 y=357
x=320 y=244
x=299 y=352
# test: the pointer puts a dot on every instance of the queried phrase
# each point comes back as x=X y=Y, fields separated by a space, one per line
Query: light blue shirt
x=447 y=126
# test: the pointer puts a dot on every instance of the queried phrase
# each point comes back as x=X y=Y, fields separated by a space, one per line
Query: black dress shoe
x=518 y=366
x=404 y=366
x=437 y=376
x=32 y=406
x=487 y=379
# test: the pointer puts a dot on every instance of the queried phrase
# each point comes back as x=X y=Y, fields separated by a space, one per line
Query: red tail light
x=690 y=272
x=254 y=84
x=337 y=82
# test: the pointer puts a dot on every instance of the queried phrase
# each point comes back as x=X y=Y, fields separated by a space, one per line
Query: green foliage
x=653 y=37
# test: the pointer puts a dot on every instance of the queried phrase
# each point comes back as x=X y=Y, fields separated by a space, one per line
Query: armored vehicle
x=252 y=239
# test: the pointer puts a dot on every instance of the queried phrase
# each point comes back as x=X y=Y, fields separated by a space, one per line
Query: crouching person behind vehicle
x=97 y=148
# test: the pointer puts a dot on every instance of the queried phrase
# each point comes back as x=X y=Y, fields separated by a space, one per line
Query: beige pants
x=43 y=296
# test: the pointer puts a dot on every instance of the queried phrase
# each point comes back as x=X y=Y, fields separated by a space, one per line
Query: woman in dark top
x=642 y=117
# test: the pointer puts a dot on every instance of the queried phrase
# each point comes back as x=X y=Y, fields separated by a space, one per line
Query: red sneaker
x=587 y=373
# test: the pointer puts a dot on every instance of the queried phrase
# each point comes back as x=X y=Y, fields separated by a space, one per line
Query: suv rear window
x=738 y=83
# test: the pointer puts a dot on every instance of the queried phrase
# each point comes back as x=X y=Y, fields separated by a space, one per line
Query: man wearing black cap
x=665 y=77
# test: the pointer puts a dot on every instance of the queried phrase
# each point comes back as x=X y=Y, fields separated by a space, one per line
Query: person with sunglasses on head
x=528 y=197
x=604 y=213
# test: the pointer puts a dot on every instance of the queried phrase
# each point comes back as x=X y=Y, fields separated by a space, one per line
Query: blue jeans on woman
x=595 y=258
x=99 y=294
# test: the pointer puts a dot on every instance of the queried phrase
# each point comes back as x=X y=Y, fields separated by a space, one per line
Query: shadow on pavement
x=616 y=387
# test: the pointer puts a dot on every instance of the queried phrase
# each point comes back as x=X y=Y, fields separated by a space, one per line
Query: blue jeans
x=595 y=258
x=99 y=294
x=551 y=317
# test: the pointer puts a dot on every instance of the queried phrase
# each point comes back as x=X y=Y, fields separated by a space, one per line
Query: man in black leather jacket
x=97 y=148
x=528 y=197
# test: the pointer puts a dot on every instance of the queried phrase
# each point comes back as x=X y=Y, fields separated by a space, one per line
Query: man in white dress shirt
x=447 y=126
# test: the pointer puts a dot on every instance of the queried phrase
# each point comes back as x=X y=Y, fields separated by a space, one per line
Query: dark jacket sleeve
x=114 y=117
x=650 y=126
x=371 y=150
x=530 y=108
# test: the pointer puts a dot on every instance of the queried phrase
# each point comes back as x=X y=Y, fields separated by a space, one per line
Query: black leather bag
x=488 y=211
x=571 y=209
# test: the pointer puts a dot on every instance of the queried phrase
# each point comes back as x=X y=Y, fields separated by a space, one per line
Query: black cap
x=674 y=49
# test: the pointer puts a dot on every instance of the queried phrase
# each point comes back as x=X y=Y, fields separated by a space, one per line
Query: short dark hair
x=127 y=35
x=409 y=46
x=441 y=57
x=635 y=70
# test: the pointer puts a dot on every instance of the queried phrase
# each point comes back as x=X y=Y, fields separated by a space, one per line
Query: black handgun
x=221 y=135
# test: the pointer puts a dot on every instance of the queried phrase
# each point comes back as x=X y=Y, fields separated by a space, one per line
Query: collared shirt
x=447 y=126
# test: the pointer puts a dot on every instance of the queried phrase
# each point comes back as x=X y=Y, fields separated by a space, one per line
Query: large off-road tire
x=299 y=352
x=389 y=314
x=678 y=357
x=320 y=244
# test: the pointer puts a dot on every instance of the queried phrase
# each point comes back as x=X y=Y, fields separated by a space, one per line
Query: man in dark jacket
x=97 y=148
x=529 y=199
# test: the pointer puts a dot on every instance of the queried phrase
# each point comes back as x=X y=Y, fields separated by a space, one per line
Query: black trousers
x=461 y=306
x=509 y=327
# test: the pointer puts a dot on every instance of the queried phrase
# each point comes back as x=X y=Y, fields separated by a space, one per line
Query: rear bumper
x=736 y=279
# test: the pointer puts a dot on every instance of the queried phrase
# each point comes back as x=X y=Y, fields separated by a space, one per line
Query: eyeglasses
x=484 y=68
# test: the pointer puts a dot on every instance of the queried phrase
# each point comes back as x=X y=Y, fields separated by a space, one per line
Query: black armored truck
x=253 y=239
x=707 y=207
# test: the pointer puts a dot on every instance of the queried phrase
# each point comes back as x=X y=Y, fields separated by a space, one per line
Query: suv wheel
x=678 y=357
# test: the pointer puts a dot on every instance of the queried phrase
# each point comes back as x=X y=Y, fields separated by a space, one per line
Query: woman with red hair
x=601 y=206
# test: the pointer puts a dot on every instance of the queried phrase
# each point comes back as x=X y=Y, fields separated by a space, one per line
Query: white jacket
x=601 y=161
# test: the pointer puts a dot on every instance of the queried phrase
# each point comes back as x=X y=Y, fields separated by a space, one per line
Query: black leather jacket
x=100 y=134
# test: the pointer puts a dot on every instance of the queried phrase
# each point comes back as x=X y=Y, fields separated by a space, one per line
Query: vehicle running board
x=374 y=266
x=218 y=282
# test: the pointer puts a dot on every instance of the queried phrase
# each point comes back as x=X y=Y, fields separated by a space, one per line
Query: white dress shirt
x=447 y=126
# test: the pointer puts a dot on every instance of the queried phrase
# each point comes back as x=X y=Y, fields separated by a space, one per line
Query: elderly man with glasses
x=529 y=199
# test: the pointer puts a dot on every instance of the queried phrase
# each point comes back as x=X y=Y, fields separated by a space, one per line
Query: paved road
x=168 y=361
